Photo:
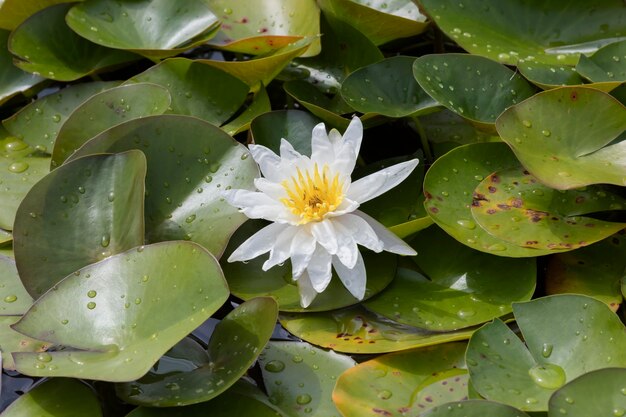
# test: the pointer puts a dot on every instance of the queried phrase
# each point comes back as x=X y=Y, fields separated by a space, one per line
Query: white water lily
x=313 y=203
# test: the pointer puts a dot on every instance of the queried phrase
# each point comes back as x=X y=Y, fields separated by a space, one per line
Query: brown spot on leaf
x=492 y=189
x=244 y=20
x=535 y=215
x=525 y=172
x=574 y=95
x=495 y=179
x=590 y=225
x=516 y=202
x=580 y=199
x=434 y=210
x=532 y=242
x=427 y=195
x=504 y=207
x=491 y=211
x=381 y=412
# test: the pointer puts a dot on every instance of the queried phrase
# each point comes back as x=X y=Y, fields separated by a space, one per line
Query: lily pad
x=595 y=393
x=547 y=76
x=12 y=341
x=300 y=378
x=104 y=110
x=528 y=30
x=39 y=122
x=190 y=375
x=260 y=27
x=260 y=105
x=472 y=86
x=117 y=317
x=46 y=46
x=607 y=64
x=513 y=206
x=248 y=280
x=578 y=334
x=403 y=383
x=388 y=88
x=474 y=408
x=449 y=185
x=5 y=237
x=561 y=137
x=14 y=300
x=319 y=104
x=14 y=12
x=357 y=330
x=189 y=162
x=294 y=125
x=464 y=290
x=57 y=230
x=197 y=89
x=153 y=28
x=56 y=398
x=12 y=79
x=380 y=20
x=595 y=270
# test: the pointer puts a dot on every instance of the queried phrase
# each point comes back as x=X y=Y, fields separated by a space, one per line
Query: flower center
x=310 y=195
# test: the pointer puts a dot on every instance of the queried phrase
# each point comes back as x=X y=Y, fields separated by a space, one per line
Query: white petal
x=268 y=161
x=373 y=185
x=307 y=292
x=257 y=244
x=257 y=205
x=273 y=189
x=353 y=279
x=322 y=149
x=391 y=242
x=345 y=157
x=287 y=151
x=346 y=206
x=319 y=269
x=302 y=248
x=324 y=233
x=361 y=232
x=347 y=251
x=281 y=251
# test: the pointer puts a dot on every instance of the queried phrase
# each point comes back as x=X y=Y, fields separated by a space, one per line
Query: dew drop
x=385 y=394
x=548 y=375
x=18 y=167
x=274 y=366
x=465 y=313
x=527 y=123
x=44 y=357
x=190 y=219
x=466 y=224
x=619 y=412
x=303 y=399
x=297 y=359
x=546 y=133
x=91 y=305
x=91 y=293
x=111 y=196
x=10 y=298
x=546 y=350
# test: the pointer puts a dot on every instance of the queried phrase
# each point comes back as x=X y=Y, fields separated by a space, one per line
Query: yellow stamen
x=311 y=195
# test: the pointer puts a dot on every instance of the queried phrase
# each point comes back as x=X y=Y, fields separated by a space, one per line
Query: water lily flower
x=313 y=203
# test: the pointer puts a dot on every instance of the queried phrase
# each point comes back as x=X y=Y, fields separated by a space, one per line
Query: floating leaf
x=46 y=46
x=548 y=76
x=248 y=280
x=300 y=378
x=380 y=20
x=14 y=299
x=607 y=64
x=327 y=109
x=12 y=79
x=260 y=27
x=561 y=137
x=56 y=398
x=403 y=383
x=388 y=88
x=260 y=105
x=577 y=334
x=595 y=393
x=117 y=317
x=192 y=375
x=14 y=12
x=511 y=205
x=294 y=125
x=153 y=28
x=39 y=122
x=57 y=230
x=464 y=290
x=197 y=89
x=107 y=109
x=474 y=408
x=5 y=237
x=357 y=330
x=12 y=341
x=531 y=31
x=471 y=86
x=189 y=162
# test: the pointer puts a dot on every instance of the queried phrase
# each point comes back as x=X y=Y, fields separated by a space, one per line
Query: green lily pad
x=262 y=69
x=595 y=271
x=189 y=162
x=561 y=137
x=57 y=230
x=597 y=393
x=577 y=334
x=464 y=290
x=56 y=398
x=153 y=28
x=14 y=12
x=259 y=27
x=117 y=317
x=532 y=30
x=403 y=383
x=39 y=122
x=300 y=378
x=197 y=89
x=547 y=76
x=242 y=399
x=104 y=110
x=388 y=88
x=449 y=185
x=12 y=341
x=248 y=280
x=513 y=206
x=12 y=79
x=472 y=86
x=193 y=375
x=380 y=20
x=5 y=237
x=357 y=330
x=46 y=46
x=260 y=105
x=14 y=299
x=607 y=64
x=18 y=176
x=314 y=100
x=474 y=408
x=294 y=125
